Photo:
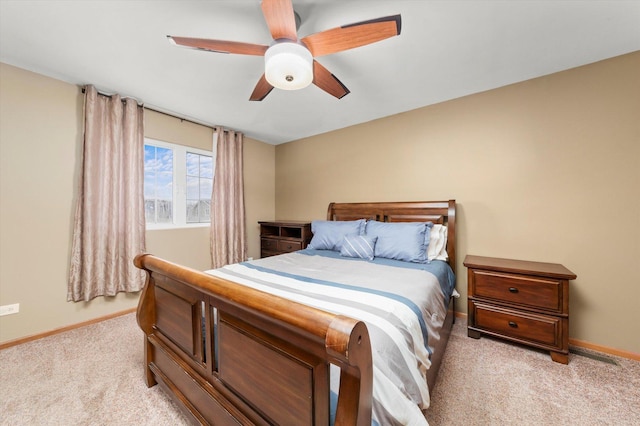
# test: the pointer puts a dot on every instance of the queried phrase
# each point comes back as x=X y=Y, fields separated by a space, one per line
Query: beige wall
x=40 y=141
x=259 y=189
x=545 y=170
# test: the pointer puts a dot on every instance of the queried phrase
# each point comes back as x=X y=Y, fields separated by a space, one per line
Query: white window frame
x=179 y=184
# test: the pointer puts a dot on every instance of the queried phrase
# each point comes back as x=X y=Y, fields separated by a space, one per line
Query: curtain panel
x=109 y=223
x=228 y=228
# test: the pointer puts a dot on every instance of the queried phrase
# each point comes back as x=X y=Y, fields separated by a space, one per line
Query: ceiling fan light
x=288 y=66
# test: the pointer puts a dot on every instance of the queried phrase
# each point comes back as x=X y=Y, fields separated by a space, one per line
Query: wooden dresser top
x=554 y=270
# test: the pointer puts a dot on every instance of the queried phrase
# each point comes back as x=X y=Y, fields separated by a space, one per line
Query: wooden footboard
x=228 y=354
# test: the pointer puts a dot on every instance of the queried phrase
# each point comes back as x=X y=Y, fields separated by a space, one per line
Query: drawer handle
x=513 y=324
x=288 y=247
x=513 y=289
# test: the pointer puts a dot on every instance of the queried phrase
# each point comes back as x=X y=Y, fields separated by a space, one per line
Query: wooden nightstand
x=278 y=237
x=525 y=302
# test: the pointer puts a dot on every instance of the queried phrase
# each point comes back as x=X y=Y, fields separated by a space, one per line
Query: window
x=178 y=181
x=199 y=187
x=158 y=184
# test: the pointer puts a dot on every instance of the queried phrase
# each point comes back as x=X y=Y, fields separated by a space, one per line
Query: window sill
x=173 y=226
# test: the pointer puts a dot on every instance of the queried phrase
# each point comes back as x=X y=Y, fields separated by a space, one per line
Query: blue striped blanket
x=403 y=304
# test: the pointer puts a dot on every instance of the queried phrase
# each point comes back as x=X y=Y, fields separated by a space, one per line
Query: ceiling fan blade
x=328 y=82
x=262 y=89
x=353 y=35
x=280 y=19
x=220 y=46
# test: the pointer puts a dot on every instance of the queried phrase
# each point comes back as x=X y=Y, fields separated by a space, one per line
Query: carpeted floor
x=492 y=382
x=88 y=376
x=94 y=376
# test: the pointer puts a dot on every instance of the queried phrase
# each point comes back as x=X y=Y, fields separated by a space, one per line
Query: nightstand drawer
x=524 y=290
x=269 y=244
x=540 y=329
x=285 y=246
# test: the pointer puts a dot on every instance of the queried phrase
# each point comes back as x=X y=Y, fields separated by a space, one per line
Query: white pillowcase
x=437 y=249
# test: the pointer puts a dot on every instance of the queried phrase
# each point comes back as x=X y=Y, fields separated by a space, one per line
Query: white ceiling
x=447 y=49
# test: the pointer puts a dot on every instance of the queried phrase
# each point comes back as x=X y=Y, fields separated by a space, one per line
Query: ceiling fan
x=289 y=61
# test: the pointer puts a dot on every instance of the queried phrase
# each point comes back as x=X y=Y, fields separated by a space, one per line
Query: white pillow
x=437 y=249
x=443 y=255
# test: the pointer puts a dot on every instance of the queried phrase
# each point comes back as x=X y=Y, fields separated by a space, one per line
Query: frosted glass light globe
x=288 y=66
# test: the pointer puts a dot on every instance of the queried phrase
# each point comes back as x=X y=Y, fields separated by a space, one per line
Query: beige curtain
x=109 y=228
x=228 y=230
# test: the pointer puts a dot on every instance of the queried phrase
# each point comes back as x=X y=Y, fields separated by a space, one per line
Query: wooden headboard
x=442 y=212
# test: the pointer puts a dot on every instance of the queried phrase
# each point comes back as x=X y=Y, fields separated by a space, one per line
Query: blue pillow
x=360 y=246
x=329 y=235
x=406 y=241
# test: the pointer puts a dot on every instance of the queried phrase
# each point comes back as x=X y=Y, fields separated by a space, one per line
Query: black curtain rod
x=179 y=118
x=159 y=112
x=84 y=90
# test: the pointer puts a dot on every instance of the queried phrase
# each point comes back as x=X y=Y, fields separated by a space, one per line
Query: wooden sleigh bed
x=230 y=354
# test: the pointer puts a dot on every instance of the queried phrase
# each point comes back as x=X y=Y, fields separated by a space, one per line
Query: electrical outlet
x=9 y=309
